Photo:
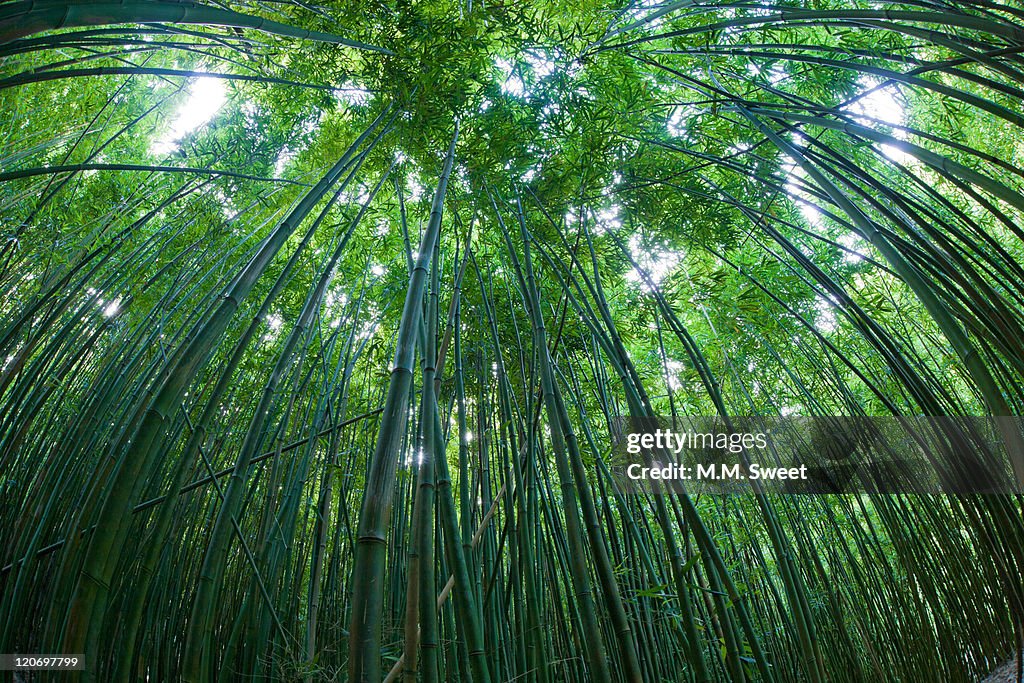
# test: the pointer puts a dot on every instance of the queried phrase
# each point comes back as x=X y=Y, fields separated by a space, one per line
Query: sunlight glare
x=206 y=96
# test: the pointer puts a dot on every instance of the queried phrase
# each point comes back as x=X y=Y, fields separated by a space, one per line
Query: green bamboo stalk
x=21 y=19
x=367 y=568
x=141 y=447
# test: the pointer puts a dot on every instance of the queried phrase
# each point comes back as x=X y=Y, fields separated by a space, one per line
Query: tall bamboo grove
x=318 y=322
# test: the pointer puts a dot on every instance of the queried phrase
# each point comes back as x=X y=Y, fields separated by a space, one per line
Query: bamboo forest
x=322 y=321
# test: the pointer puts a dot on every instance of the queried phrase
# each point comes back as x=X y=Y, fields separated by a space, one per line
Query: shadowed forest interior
x=319 y=321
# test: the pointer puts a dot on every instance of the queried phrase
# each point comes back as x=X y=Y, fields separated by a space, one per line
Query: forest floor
x=1007 y=673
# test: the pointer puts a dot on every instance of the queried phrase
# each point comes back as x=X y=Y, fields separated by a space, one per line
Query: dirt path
x=1007 y=673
